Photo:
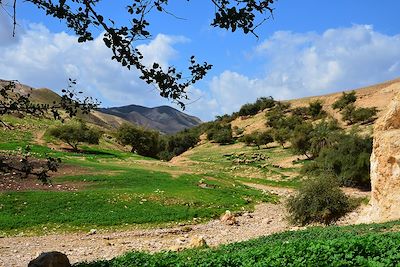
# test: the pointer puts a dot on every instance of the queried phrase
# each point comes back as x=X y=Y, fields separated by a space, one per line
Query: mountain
x=164 y=118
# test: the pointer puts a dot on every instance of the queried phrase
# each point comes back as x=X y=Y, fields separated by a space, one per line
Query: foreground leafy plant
x=363 y=245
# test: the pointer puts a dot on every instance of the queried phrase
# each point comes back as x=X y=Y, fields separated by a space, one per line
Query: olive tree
x=75 y=133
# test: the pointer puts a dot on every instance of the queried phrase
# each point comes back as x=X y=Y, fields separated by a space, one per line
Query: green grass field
x=120 y=196
x=116 y=189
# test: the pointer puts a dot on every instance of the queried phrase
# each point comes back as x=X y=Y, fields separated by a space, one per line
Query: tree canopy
x=84 y=17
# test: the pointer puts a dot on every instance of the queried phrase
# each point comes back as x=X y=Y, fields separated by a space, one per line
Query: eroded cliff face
x=384 y=204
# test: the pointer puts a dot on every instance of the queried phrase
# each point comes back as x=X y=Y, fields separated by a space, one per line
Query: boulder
x=384 y=204
x=197 y=242
x=228 y=218
x=50 y=259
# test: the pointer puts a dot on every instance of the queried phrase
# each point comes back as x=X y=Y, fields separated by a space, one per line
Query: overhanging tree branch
x=82 y=16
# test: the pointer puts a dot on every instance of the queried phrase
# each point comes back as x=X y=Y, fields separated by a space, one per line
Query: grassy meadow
x=114 y=189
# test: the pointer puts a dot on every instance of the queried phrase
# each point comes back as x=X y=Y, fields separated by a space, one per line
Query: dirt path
x=265 y=220
x=39 y=138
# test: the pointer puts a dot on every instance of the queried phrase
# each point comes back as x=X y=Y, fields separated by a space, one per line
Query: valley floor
x=113 y=192
x=266 y=219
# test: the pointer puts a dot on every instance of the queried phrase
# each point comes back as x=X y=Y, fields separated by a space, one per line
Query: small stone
x=92 y=232
x=181 y=240
x=175 y=248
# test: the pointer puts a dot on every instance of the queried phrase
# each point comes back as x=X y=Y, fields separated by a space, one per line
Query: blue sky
x=310 y=47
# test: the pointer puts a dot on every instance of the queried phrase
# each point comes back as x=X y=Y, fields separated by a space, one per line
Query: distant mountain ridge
x=164 y=118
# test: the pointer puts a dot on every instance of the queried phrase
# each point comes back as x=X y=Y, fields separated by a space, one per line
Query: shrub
x=253 y=108
x=223 y=136
x=315 y=109
x=348 y=158
x=265 y=102
x=225 y=118
x=345 y=100
x=249 y=139
x=281 y=136
x=264 y=138
x=352 y=115
x=219 y=133
x=275 y=118
x=302 y=112
x=74 y=133
x=318 y=200
x=324 y=134
x=248 y=109
x=258 y=138
x=301 y=139
x=143 y=142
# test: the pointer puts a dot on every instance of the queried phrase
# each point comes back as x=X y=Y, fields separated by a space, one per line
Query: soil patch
x=14 y=181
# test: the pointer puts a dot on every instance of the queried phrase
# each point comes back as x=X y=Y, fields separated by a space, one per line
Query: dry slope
x=378 y=96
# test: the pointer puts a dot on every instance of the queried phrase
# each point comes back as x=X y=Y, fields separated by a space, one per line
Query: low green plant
x=361 y=245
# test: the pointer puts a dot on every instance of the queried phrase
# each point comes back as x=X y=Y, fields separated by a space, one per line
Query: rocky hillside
x=164 y=118
x=379 y=96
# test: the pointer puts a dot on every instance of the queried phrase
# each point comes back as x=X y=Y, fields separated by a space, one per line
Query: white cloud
x=285 y=65
x=160 y=50
x=41 y=58
x=300 y=64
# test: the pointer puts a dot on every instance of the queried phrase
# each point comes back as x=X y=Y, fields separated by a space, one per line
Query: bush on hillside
x=348 y=159
x=248 y=110
x=301 y=139
x=225 y=118
x=345 y=100
x=262 y=103
x=276 y=119
x=319 y=200
x=301 y=112
x=315 y=109
x=258 y=138
x=74 y=133
x=219 y=133
x=265 y=102
x=281 y=135
x=352 y=115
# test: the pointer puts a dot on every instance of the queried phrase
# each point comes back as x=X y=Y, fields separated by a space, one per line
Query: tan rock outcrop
x=384 y=204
